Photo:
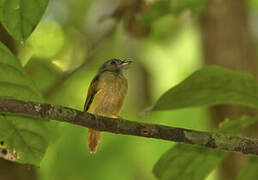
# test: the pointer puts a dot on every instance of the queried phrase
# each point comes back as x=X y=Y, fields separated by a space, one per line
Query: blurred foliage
x=163 y=39
x=44 y=73
x=253 y=4
x=48 y=34
x=249 y=171
x=174 y=7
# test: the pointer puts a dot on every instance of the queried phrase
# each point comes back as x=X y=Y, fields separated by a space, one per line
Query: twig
x=121 y=126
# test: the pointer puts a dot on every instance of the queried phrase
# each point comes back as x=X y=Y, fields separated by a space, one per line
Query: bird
x=106 y=95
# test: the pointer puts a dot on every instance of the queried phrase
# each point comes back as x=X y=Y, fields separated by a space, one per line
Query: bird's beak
x=125 y=63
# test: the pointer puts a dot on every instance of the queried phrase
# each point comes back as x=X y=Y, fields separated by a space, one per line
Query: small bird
x=106 y=95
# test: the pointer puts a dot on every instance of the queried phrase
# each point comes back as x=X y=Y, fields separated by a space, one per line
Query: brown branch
x=121 y=126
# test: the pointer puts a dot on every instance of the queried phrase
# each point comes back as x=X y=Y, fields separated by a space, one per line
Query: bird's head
x=114 y=65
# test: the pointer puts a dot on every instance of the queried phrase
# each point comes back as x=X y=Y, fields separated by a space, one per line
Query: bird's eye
x=113 y=62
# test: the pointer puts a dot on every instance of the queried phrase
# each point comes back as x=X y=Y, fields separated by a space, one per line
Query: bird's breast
x=108 y=101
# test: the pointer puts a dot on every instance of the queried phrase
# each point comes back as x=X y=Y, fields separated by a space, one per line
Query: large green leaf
x=20 y=17
x=209 y=86
x=191 y=162
x=22 y=139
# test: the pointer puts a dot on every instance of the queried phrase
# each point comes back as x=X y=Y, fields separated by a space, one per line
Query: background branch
x=122 y=126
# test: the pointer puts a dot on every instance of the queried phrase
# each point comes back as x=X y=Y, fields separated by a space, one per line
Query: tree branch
x=121 y=126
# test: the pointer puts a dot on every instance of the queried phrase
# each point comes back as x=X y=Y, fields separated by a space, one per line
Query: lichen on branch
x=121 y=126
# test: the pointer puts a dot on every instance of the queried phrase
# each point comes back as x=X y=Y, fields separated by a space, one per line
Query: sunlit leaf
x=20 y=17
x=210 y=86
x=195 y=163
x=23 y=139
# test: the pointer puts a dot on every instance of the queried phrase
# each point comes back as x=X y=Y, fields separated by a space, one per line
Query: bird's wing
x=91 y=93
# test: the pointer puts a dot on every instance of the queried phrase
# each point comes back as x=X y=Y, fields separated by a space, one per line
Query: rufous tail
x=94 y=137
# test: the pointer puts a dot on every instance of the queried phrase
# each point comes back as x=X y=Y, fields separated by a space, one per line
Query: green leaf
x=210 y=86
x=191 y=162
x=25 y=139
x=187 y=162
x=20 y=17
